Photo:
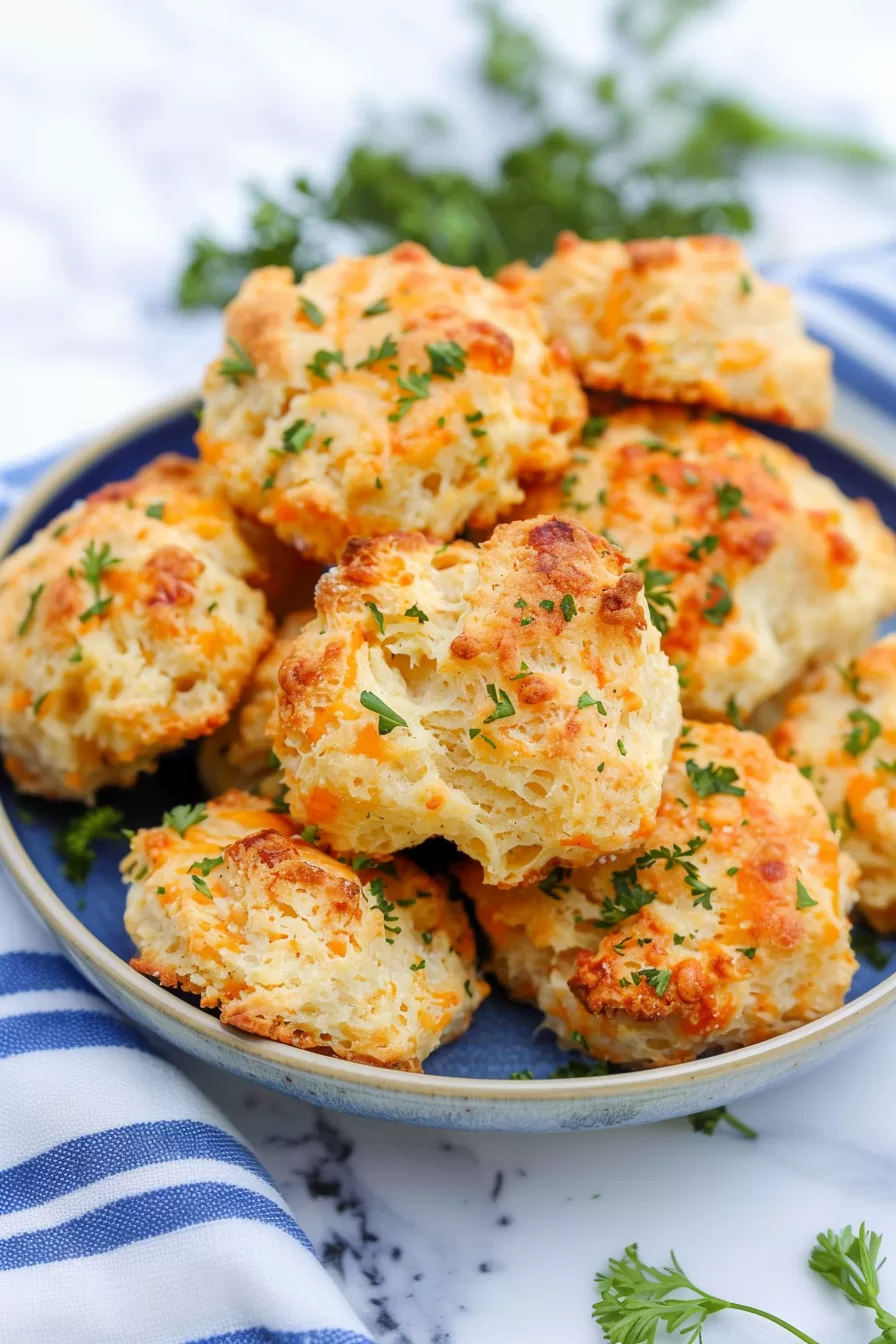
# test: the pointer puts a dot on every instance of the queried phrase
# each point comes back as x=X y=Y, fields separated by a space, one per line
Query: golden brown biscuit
x=374 y=964
x=754 y=564
x=726 y=928
x=839 y=727
x=513 y=698
x=686 y=320
x=383 y=393
x=239 y=755
x=124 y=637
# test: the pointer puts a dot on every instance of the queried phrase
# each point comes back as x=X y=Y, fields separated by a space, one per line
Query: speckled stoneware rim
x=99 y=961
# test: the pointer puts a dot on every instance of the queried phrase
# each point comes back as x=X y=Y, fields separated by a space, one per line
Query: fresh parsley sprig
x=75 y=842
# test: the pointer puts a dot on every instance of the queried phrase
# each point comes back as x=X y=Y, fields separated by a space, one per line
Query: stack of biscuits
x=553 y=582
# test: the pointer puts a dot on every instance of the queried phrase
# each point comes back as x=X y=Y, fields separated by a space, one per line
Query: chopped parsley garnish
x=311 y=311
x=377 y=616
x=701 y=890
x=375 y=309
x=39 y=702
x=658 y=977
x=201 y=886
x=74 y=842
x=657 y=593
x=803 y=899
x=703 y=546
x=468 y=989
x=521 y=1076
x=387 y=349
x=321 y=362
x=477 y=732
x=268 y=483
x=388 y=719
x=628 y=898
x=889 y=766
x=850 y=676
x=568 y=606
x=733 y=712
x=865 y=729
x=719 y=611
x=709 y=779
x=415 y=388
x=297 y=436
x=580 y=1068
x=94 y=564
x=205 y=866
x=239 y=367
x=729 y=497
x=156 y=510
x=746 y=284
x=555 y=882
x=503 y=704
x=474 y=418
x=278 y=802
x=416 y=614
x=658 y=484
x=446 y=358
x=33 y=599
x=585 y=701
x=76 y=655
x=546 y=604
x=525 y=671
x=185 y=815
x=748 y=952
x=807 y=771
x=418 y=965
x=593 y=428
x=391 y=927
x=707 y=1122
x=620 y=747
x=521 y=602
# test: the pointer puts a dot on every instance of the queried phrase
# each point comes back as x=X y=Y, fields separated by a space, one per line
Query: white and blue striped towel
x=129 y=1211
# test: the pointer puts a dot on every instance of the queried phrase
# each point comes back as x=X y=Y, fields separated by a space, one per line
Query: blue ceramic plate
x=466 y=1084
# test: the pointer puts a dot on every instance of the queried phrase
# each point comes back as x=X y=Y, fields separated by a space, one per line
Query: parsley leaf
x=866 y=729
x=703 y=546
x=375 y=309
x=628 y=898
x=416 y=614
x=721 y=609
x=156 y=510
x=33 y=599
x=387 y=349
x=446 y=358
x=388 y=719
x=297 y=436
x=593 y=428
x=239 y=367
x=502 y=702
x=729 y=497
x=707 y=1122
x=554 y=882
x=185 y=815
x=709 y=779
x=658 y=594
x=415 y=388
x=568 y=606
x=803 y=899
x=321 y=361
x=377 y=616
x=311 y=311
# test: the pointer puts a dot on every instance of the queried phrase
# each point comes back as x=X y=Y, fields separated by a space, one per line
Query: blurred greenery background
x=638 y=148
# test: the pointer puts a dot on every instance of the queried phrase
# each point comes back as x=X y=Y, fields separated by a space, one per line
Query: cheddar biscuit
x=754 y=564
x=839 y=728
x=123 y=638
x=684 y=320
x=369 y=963
x=512 y=698
x=383 y=393
x=727 y=927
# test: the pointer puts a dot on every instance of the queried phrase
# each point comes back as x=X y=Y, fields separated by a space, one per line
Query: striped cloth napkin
x=130 y=1212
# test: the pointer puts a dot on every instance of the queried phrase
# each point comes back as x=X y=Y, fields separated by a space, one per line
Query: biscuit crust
x=369 y=963
x=123 y=638
x=755 y=564
x=839 y=728
x=683 y=320
x=386 y=393
x=512 y=698
x=729 y=926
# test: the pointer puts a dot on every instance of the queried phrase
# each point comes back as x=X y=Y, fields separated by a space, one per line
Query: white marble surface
x=127 y=124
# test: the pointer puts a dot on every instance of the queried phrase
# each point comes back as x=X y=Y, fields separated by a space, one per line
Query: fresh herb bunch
x=636 y=1299
x=653 y=152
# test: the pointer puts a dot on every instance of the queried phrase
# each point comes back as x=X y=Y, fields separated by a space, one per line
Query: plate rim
x=75 y=937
